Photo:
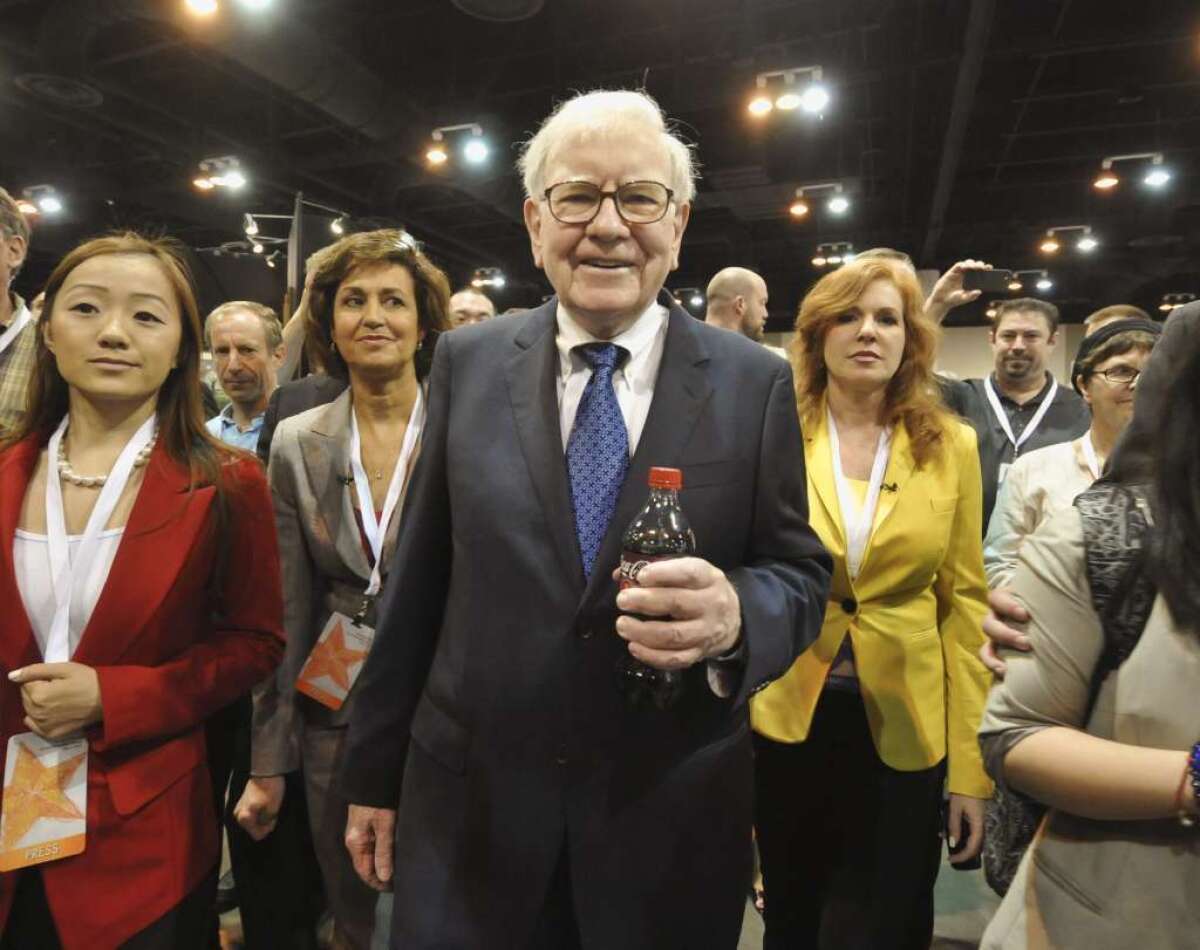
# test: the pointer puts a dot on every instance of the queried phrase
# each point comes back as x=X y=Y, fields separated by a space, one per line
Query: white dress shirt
x=633 y=382
x=1038 y=484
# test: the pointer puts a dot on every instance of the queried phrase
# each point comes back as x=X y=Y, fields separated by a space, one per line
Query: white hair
x=599 y=114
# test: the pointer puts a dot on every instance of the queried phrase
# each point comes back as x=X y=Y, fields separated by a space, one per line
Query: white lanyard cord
x=1002 y=416
x=376 y=528
x=62 y=572
x=858 y=528
x=1089 y=454
x=14 y=328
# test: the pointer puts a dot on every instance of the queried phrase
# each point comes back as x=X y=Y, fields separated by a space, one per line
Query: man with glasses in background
x=536 y=806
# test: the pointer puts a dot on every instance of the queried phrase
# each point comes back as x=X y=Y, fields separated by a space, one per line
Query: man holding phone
x=1020 y=406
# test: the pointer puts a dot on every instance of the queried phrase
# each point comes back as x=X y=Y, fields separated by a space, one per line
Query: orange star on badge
x=37 y=791
x=333 y=658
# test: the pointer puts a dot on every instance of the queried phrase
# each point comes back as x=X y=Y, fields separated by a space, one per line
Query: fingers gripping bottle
x=658 y=532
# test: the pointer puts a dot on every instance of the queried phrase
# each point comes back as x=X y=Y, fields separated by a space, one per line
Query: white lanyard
x=376 y=529
x=858 y=528
x=1002 y=416
x=1089 y=454
x=15 y=328
x=62 y=571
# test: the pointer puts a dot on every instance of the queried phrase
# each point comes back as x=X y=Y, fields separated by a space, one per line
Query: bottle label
x=632 y=564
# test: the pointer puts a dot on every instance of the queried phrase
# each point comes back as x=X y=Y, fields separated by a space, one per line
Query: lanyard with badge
x=14 y=329
x=44 y=812
x=857 y=522
x=340 y=651
x=1089 y=455
x=1006 y=425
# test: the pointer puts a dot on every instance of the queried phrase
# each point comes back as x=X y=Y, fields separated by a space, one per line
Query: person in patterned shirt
x=17 y=325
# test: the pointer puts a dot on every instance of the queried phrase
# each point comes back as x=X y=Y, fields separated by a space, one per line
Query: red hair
x=912 y=398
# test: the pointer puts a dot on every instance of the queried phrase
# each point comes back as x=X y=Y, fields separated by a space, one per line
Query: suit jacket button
x=850 y=605
x=585 y=633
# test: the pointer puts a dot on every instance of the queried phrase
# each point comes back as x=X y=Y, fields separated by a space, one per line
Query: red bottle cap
x=666 y=478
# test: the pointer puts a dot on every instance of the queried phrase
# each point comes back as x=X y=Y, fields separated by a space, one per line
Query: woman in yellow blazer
x=854 y=744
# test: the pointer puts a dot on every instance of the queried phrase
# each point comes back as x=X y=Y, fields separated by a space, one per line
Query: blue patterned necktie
x=597 y=451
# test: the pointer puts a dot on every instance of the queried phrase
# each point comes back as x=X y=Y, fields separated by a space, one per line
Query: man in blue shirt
x=246 y=340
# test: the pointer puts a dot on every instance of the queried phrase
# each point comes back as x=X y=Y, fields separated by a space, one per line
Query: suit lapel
x=532 y=373
x=897 y=477
x=818 y=462
x=325 y=450
x=680 y=392
x=163 y=527
x=17 y=647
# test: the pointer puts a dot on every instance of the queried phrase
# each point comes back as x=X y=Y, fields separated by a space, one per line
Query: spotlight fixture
x=256 y=247
x=1044 y=283
x=474 y=150
x=203 y=8
x=780 y=89
x=832 y=254
x=1042 y=280
x=249 y=225
x=44 y=198
x=224 y=171
x=488 y=277
x=27 y=208
x=1015 y=284
x=691 y=297
x=992 y=312
x=1156 y=175
x=338 y=226
x=1085 y=244
x=838 y=203
x=1174 y=301
x=257 y=6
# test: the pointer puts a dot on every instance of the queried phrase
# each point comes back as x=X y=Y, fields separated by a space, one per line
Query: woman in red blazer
x=166 y=609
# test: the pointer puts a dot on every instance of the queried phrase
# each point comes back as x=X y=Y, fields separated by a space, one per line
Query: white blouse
x=31 y=558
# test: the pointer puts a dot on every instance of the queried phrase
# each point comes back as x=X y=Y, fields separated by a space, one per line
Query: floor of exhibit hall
x=963 y=904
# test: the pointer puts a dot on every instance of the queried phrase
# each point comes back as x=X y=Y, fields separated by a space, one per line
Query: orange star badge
x=336 y=659
x=44 y=782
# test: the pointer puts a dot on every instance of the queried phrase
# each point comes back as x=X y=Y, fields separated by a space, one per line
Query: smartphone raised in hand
x=989 y=281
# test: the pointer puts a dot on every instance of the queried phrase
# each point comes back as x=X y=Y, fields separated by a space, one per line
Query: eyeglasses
x=1120 y=375
x=637 y=202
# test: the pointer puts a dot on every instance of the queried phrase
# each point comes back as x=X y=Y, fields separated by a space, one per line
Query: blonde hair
x=912 y=398
x=602 y=114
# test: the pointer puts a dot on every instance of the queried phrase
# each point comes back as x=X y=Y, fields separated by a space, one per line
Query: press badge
x=335 y=662
x=43 y=814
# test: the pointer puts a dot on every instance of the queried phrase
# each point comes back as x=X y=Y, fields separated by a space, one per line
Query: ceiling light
x=1044 y=283
x=337 y=226
x=788 y=101
x=257 y=6
x=838 y=204
x=436 y=155
x=819 y=261
x=991 y=313
x=27 y=207
x=256 y=247
x=1049 y=244
x=204 y=183
x=815 y=99
x=44 y=197
x=271 y=262
x=834 y=259
x=760 y=106
x=233 y=179
x=488 y=277
x=50 y=204
x=201 y=7
x=1106 y=181
x=798 y=208
x=696 y=300
x=1166 y=307
x=249 y=225
x=1087 y=243
x=1157 y=176
x=1015 y=285
x=475 y=150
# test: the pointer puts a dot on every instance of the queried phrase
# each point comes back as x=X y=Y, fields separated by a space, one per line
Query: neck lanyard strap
x=1089 y=454
x=63 y=572
x=376 y=528
x=1002 y=416
x=14 y=329
x=858 y=527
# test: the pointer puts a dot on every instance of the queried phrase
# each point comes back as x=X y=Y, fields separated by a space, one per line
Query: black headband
x=1094 y=340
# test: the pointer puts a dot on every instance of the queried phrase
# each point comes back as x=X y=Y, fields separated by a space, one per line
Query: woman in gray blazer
x=338 y=475
x=1116 y=862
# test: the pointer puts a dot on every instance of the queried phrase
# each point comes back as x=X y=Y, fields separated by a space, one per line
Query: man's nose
x=608 y=220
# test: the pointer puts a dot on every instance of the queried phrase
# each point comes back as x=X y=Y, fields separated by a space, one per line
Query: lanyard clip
x=360 y=617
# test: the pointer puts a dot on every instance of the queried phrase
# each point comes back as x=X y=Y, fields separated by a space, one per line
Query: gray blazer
x=325 y=569
x=1099 y=885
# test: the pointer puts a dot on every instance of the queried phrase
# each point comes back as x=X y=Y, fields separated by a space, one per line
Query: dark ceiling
x=958 y=127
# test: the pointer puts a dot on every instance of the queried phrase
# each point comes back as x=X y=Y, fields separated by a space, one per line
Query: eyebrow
x=106 y=290
x=382 y=290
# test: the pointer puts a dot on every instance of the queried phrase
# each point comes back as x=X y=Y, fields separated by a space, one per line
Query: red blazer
x=171 y=645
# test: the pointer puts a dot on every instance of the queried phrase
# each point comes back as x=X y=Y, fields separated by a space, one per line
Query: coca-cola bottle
x=659 y=531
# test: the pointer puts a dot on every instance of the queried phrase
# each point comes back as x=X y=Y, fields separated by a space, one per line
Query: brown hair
x=272 y=328
x=12 y=222
x=366 y=249
x=912 y=396
x=1047 y=311
x=180 y=410
x=1121 y=343
x=1118 y=311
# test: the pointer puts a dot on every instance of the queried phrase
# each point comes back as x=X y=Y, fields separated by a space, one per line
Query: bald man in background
x=468 y=306
x=737 y=300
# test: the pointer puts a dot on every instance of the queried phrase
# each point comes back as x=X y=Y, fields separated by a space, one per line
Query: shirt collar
x=637 y=340
x=227 y=419
x=18 y=308
x=1029 y=403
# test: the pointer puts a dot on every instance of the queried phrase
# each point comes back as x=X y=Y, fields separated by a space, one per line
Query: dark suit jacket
x=293 y=398
x=498 y=659
x=164 y=665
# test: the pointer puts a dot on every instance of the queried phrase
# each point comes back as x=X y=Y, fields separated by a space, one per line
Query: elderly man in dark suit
x=525 y=802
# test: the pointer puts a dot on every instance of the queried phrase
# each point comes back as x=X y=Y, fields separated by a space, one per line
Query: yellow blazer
x=914 y=614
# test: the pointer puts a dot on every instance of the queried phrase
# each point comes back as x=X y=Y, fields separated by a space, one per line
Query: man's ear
x=15 y=250
x=533 y=224
x=682 y=215
x=739 y=305
x=279 y=355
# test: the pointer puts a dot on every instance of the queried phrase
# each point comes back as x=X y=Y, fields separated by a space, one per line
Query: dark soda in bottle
x=658 y=532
